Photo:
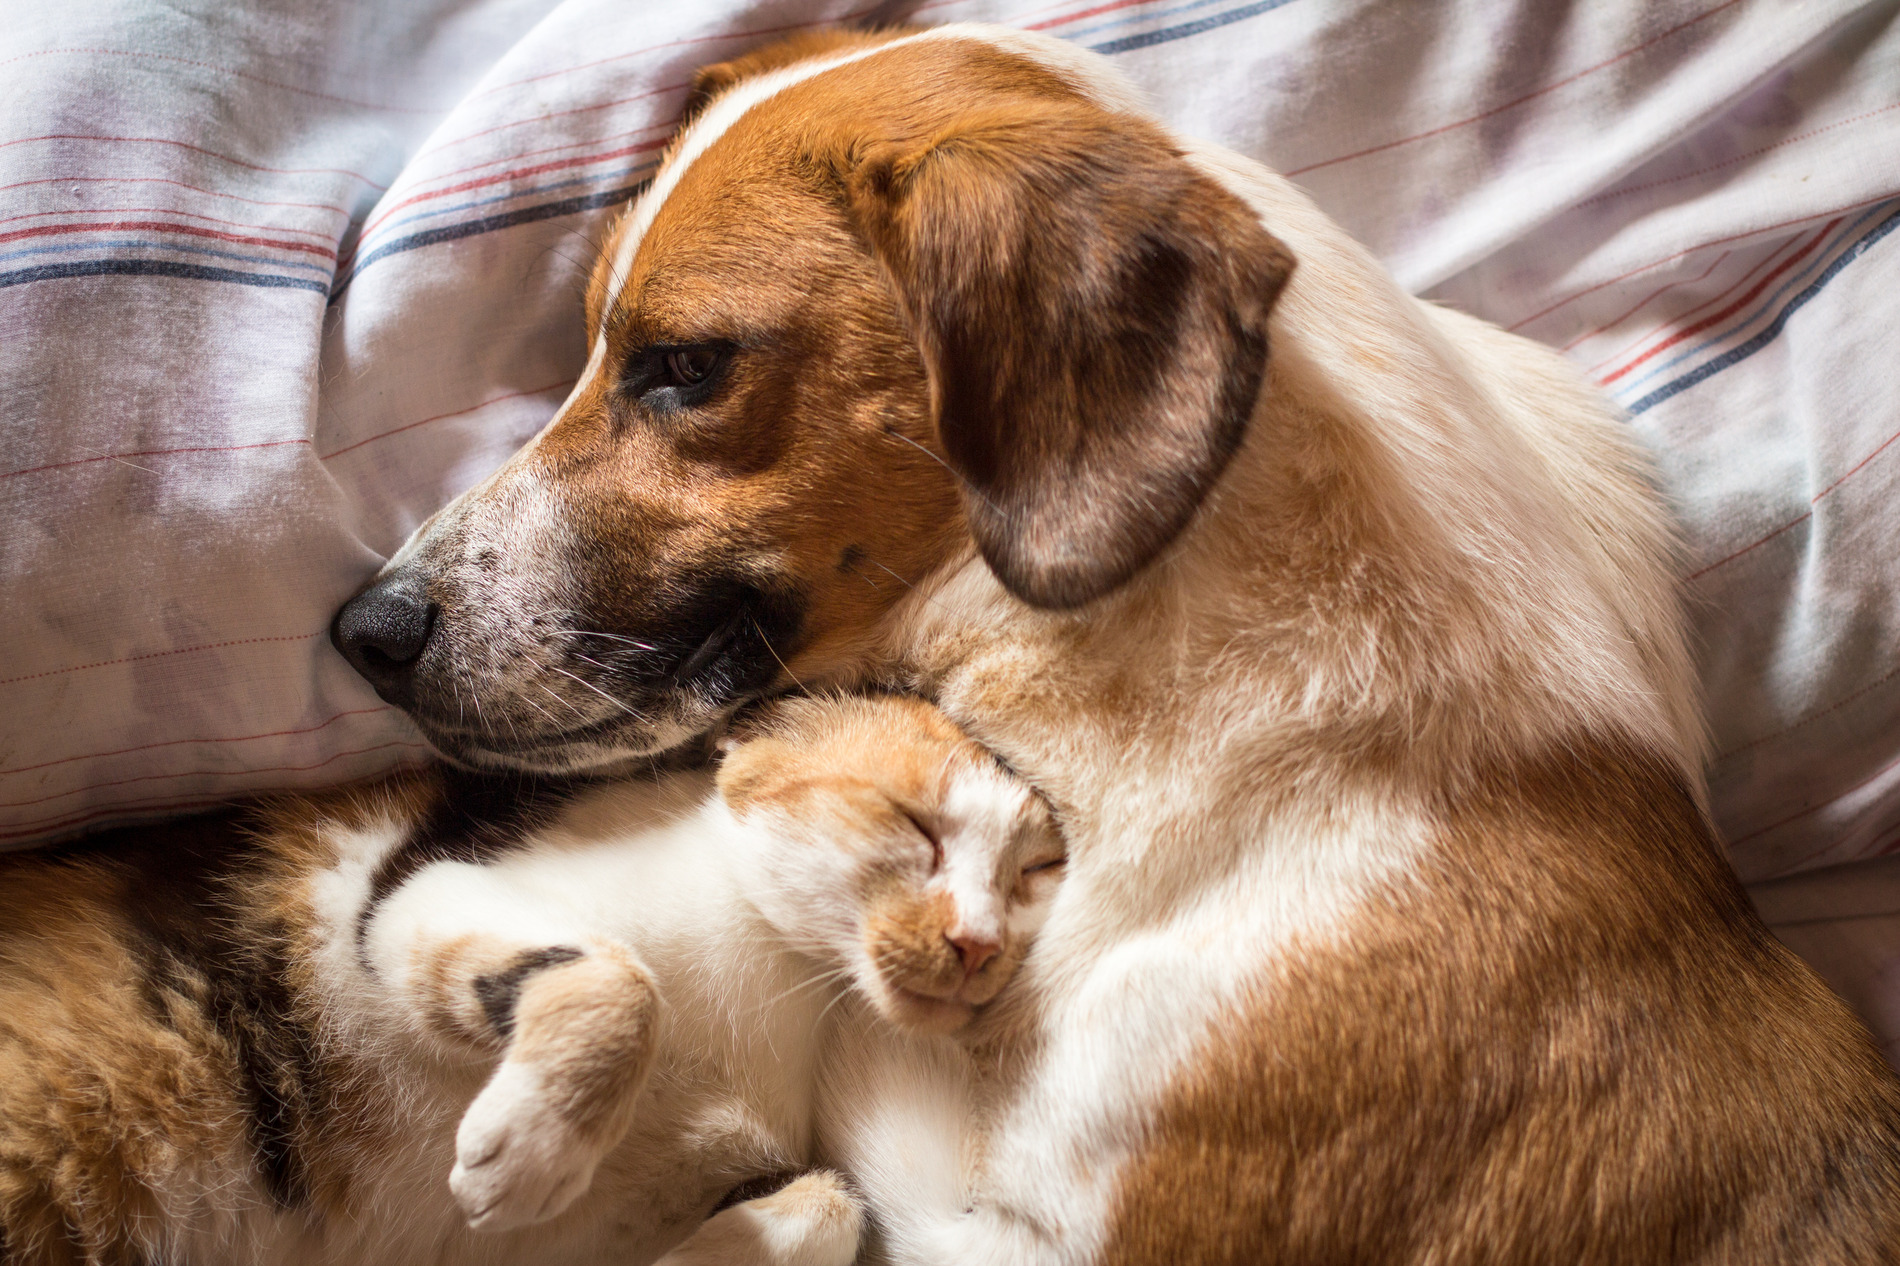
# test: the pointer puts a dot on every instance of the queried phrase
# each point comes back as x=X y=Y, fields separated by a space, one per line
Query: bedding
x=278 y=278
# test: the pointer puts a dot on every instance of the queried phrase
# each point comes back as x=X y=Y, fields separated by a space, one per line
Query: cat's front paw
x=519 y=1157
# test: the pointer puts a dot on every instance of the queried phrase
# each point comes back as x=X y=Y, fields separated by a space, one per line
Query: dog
x=1339 y=629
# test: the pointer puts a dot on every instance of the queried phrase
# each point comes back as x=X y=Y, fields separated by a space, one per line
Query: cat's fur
x=348 y=1028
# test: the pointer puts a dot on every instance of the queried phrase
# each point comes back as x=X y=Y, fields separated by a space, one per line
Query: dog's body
x=415 y=1022
x=1394 y=930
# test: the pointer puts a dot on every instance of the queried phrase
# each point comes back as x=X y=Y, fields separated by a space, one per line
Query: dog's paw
x=518 y=1159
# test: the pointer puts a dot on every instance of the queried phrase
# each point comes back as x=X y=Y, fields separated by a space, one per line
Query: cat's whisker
x=831 y=976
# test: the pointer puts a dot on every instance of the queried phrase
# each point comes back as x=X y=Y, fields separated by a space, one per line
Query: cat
x=448 y=1019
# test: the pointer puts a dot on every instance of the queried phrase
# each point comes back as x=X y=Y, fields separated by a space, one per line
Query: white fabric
x=278 y=278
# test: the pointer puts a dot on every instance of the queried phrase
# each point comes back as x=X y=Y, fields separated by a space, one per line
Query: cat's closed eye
x=930 y=836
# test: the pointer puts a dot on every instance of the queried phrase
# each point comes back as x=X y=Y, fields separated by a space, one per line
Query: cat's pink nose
x=973 y=951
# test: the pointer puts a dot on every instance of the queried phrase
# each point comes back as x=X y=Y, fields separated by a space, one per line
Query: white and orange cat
x=446 y=1020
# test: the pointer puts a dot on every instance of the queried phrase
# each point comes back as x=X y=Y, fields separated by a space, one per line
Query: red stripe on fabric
x=72 y=819
x=1047 y=8
x=383 y=435
x=159 y=180
x=1717 y=318
x=1743 y=280
x=155 y=452
x=666 y=127
x=196 y=149
x=1838 y=704
x=365 y=240
x=542 y=118
x=211 y=773
x=1730 y=162
x=226 y=70
x=207 y=742
x=1857 y=467
x=1529 y=96
x=1690 y=250
x=484 y=182
x=1813 y=809
x=69 y=821
x=376 y=221
x=1812 y=501
x=132 y=226
x=1643 y=303
x=191 y=215
x=183 y=650
x=1753 y=545
x=1067 y=18
x=680 y=43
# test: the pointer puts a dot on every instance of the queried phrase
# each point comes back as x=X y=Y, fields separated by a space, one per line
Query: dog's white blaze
x=698 y=138
x=1072 y=64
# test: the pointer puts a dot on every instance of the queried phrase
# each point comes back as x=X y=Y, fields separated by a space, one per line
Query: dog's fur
x=1340 y=630
x=416 y=1022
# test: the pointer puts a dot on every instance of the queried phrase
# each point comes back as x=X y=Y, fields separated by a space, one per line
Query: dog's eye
x=690 y=366
x=666 y=379
x=1042 y=866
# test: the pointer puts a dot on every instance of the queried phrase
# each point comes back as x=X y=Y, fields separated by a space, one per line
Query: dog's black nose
x=382 y=632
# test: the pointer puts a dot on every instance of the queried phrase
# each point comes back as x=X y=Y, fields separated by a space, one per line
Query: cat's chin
x=921 y=1013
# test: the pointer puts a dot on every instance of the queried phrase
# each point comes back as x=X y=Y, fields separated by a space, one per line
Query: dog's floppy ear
x=1092 y=313
x=709 y=83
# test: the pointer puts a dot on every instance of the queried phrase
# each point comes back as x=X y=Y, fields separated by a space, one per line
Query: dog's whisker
x=543 y=711
x=775 y=655
x=558 y=697
x=612 y=637
x=955 y=474
x=929 y=598
x=618 y=703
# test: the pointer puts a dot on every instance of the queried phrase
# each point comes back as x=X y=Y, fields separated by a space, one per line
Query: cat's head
x=896 y=849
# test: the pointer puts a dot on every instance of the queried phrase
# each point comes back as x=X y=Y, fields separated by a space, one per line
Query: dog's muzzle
x=383 y=632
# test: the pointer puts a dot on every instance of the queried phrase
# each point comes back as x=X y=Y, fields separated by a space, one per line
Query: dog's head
x=892 y=298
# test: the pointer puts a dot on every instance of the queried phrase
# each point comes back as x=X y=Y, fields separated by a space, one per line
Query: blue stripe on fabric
x=432 y=213
x=163 y=246
x=1130 y=43
x=488 y=224
x=1793 y=282
x=1742 y=352
x=588 y=202
x=156 y=268
x=1132 y=19
x=384 y=230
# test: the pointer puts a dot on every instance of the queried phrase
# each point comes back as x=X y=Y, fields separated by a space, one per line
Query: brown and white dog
x=1339 y=629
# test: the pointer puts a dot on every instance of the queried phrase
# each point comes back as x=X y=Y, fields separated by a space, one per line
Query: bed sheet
x=278 y=278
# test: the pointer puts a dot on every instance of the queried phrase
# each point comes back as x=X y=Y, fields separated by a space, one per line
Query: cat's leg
x=572 y=1018
x=814 y=1220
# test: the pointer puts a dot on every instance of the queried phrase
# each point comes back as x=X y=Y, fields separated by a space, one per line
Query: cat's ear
x=1092 y=312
